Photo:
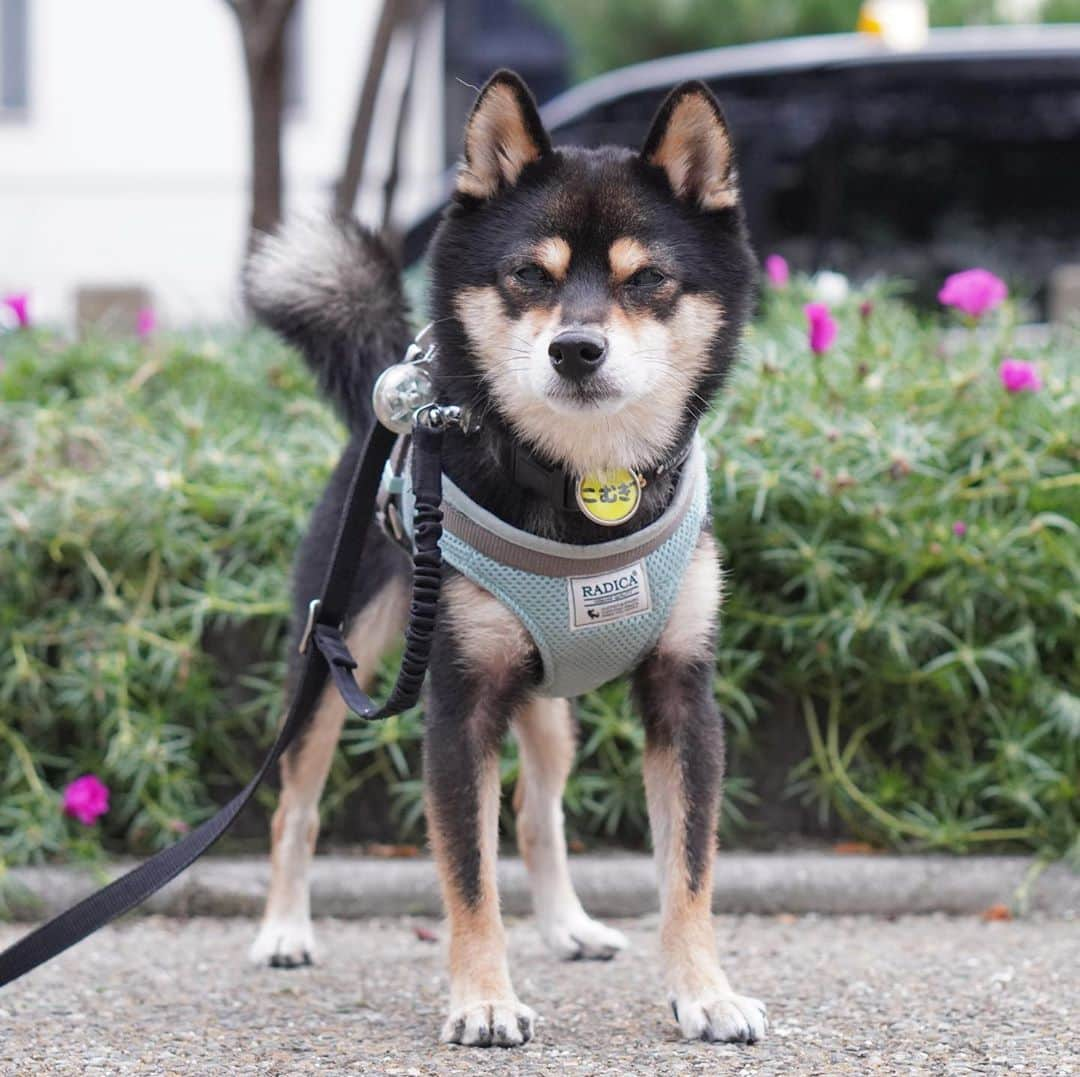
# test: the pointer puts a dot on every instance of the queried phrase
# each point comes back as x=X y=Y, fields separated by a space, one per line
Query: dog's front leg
x=683 y=767
x=479 y=675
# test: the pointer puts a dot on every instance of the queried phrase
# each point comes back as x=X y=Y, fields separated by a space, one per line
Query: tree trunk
x=419 y=12
x=266 y=96
x=391 y=15
x=262 y=35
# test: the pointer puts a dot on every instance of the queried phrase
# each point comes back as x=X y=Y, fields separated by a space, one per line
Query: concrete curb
x=610 y=885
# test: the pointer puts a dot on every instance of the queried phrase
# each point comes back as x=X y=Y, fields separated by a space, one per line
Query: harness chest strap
x=592 y=611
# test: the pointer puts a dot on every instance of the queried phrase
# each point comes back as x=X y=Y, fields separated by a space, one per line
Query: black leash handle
x=137 y=885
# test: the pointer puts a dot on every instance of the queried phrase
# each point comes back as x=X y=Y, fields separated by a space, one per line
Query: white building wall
x=131 y=166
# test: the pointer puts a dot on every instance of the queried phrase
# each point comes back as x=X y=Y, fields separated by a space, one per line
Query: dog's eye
x=532 y=275
x=646 y=278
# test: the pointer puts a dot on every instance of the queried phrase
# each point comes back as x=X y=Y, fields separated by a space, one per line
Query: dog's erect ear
x=503 y=135
x=689 y=140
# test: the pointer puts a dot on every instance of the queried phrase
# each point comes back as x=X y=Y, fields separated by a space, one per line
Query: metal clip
x=416 y=351
x=309 y=626
x=445 y=417
x=395 y=524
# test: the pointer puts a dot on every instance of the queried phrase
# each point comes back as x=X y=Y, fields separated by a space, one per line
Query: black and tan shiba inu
x=587 y=304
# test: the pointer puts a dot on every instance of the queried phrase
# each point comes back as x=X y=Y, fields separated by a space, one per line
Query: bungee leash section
x=325 y=652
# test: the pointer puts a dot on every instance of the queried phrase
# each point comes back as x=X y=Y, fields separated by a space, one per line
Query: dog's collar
x=560 y=487
x=469 y=525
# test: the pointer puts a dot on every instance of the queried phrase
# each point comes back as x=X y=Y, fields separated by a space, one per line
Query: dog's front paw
x=576 y=937
x=284 y=944
x=720 y=1017
x=499 y=1023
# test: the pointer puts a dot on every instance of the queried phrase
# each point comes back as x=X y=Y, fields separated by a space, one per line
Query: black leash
x=329 y=655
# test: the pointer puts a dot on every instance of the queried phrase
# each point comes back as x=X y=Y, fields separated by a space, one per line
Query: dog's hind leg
x=683 y=767
x=285 y=939
x=545 y=733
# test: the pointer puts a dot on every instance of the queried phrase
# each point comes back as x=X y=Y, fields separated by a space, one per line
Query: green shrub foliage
x=900 y=533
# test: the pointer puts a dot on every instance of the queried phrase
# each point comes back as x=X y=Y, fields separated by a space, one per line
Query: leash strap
x=427 y=579
x=330 y=654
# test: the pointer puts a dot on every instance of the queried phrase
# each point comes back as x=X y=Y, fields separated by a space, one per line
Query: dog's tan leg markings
x=285 y=938
x=701 y=997
x=683 y=766
x=489 y=637
x=690 y=633
x=470 y=710
x=545 y=735
x=484 y=1010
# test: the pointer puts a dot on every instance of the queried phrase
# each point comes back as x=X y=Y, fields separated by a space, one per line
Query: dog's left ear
x=502 y=136
x=689 y=140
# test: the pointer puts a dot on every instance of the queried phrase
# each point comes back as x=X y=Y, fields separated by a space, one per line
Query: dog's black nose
x=577 y=353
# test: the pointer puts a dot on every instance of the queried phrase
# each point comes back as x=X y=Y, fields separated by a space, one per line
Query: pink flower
x=86 y=799
x=145 y=323
x=776 y=269
x=19 y=304
x=1018 y=376
x=974 y=292
x=822 y=327
x=866 y=308
x=959 y=529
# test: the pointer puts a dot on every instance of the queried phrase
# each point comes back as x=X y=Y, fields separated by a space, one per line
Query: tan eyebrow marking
x=553 y=254
x=627 y=256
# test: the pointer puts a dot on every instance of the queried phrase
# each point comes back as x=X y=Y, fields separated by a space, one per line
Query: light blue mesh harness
x=593 y=611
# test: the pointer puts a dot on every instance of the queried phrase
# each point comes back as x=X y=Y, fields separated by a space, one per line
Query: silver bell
x=399 y=391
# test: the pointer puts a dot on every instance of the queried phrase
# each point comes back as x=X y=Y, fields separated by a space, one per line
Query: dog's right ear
x=503 y=135
x=690 y=141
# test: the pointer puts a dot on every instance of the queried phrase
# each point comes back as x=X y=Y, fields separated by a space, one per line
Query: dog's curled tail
x=331 y=288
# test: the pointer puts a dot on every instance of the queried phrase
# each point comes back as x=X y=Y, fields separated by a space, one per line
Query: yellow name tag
x=611 y=497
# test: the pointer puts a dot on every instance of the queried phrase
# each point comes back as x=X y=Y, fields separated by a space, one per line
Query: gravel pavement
x=847 y=995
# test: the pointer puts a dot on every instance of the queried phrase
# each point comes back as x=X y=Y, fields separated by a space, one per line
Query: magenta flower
x=86 y=799
x=973 y=292
x=145 y=323
x=959 y=529
x=776 y=269
x=19 y=304
x=821 y=326
x=1018 y=376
